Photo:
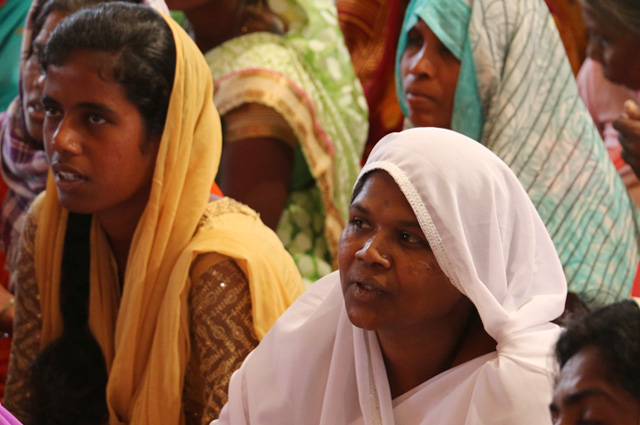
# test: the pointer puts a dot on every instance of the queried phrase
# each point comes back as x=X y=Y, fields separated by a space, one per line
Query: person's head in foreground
x=614 y=38
x=599 y=380
x=440 y=312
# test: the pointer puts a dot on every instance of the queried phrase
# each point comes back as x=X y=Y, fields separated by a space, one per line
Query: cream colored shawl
x=144 y=332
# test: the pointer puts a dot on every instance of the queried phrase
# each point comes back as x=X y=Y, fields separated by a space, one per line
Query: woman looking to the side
x=440 y=312
x=497 y=72
x=294 y=116
x=137 y=298
x=24 y=163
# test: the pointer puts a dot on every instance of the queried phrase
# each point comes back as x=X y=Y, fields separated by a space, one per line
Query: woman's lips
x=421 y=101
x=366 y=289
x=67 y=177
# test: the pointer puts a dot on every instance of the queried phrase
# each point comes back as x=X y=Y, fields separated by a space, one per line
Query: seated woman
x=24 y=163
x=610 y=77
x=440 y=312
x=137 y=297
x=294 y=115
x=496 y=71
x=599 y=381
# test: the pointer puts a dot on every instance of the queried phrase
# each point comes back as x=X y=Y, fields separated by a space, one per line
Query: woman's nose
x=65 y=139
x=39 y=82
x=421 y=63
x=372 y=252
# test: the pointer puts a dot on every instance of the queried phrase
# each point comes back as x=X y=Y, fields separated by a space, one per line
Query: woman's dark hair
x=621 y=14
x=43 y=8
x=143 y=53
x=360 y=183
x=615 y=331
x=69 y=377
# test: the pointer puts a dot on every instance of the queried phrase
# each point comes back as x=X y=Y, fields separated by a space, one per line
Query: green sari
x=307 y=77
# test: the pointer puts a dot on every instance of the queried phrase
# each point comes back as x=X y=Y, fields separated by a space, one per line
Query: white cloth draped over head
x=315 y=367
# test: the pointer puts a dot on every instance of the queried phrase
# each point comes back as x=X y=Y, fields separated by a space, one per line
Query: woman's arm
x=257 y=160
x=221 y=333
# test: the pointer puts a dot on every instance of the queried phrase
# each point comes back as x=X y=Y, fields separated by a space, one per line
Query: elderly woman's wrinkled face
x=429 y=78
x=390 y=277
x=586 y=393
x=615 y=49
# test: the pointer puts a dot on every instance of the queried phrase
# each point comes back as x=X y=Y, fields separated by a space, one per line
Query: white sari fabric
x=315 y=367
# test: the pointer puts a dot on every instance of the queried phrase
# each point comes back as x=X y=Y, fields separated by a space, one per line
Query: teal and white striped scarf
x=516 y=94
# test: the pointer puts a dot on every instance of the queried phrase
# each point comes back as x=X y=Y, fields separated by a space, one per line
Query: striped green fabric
x=533 y=118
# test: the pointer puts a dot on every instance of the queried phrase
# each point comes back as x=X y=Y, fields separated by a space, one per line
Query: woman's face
x=390 y=278
x=615 y=49
x=586 y=394
x=429 y=78
x=95 y=138
x=33 y=78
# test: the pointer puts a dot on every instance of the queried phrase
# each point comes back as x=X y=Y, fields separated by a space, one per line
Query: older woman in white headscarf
x=440 y=312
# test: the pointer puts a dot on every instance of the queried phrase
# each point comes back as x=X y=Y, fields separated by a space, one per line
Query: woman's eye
x=408 y=237
x=96 y=119
x=414 y=38
x=446 y=53
x=51 y=111
x=598 y=38
x=358 y=223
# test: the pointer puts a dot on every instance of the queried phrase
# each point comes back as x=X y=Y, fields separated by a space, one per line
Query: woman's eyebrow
x=99 y=107
x=359 y=207
x=408 y=223
x=580 y=395
x=48 y=99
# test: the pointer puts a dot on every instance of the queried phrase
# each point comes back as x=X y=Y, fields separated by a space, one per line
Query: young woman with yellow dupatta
x=138 y=298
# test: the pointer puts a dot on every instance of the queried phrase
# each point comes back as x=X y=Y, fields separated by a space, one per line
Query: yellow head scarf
x=144 y=332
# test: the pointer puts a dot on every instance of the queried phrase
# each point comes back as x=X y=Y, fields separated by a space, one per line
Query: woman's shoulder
x=260 y=50
x=309 y=326
x=222 y=207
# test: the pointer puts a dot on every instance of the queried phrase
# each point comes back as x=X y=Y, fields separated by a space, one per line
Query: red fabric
x=5 y=347
x=635 y=291
x=215 y=190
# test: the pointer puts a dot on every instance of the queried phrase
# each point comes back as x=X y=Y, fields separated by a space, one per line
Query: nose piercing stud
x=384 y=256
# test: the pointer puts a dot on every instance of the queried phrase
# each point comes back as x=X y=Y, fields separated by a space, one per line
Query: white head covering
x=314 y=367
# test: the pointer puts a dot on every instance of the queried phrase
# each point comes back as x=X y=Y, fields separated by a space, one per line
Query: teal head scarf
x=516 y=94
x=449 y=20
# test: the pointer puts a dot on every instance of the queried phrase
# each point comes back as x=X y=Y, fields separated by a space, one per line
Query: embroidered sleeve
x=222 y=336
x=26 y=327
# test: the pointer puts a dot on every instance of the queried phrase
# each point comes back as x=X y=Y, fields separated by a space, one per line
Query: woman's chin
x=423 y=119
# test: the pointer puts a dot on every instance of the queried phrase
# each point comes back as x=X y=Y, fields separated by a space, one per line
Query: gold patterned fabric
x=253 y=120
x=221 y=329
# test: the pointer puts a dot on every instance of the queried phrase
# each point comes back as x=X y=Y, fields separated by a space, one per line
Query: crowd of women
x=206 y=220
